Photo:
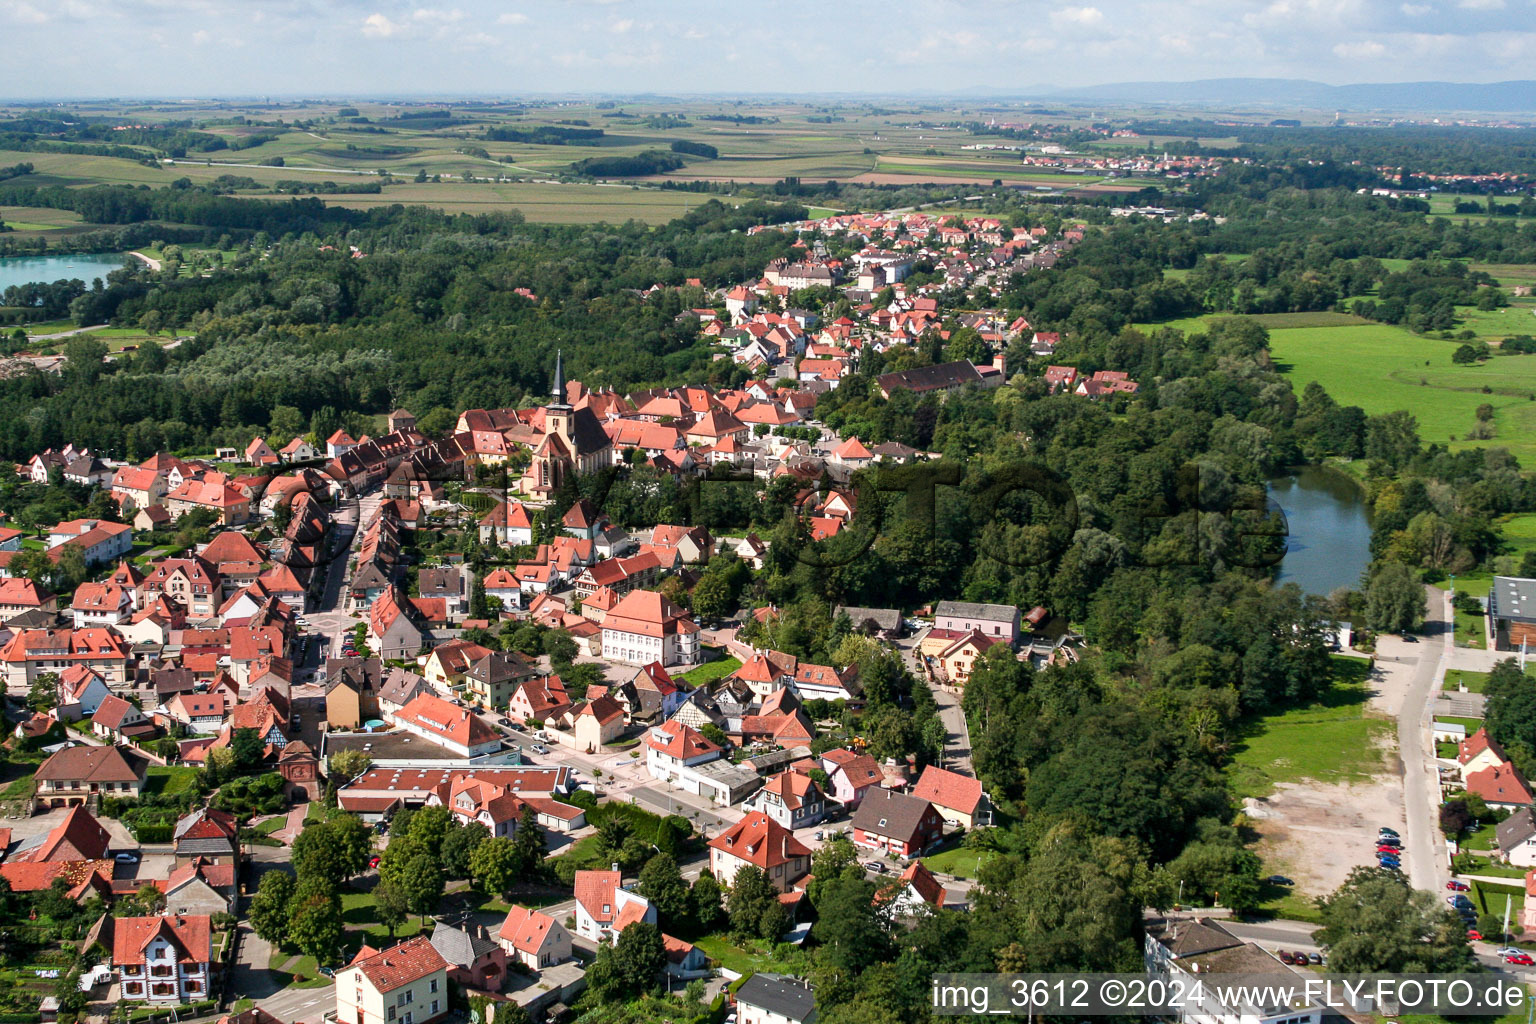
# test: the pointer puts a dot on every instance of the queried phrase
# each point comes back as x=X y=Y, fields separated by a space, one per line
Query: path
x=69 y=333
x=289 y=832
x=149 y=261
x=1427 y=859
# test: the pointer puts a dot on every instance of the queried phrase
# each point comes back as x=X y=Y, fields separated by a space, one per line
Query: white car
x=539 y=748
x=1507 y=951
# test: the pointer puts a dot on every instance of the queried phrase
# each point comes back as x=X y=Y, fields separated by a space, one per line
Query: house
x=20 y=595
x=1479 y=751
x=162 y=959
x=685 y=961
x=451 y=584
x=215 y=493
x=190 y=582
x=503 y=585
x=507 y=524
x=138 y=488
x=645 y=627
x=539 y=699
x=405 y=984
x=392 y=623
x=1502 y=787
x=206 y=835
x=958 y=798
x=534 y=939
x=678 y=754
x=199 y=888
x=399 y=687
x=767 y=998
x=78 y=837
x=493 y=678
x=451 y=727
x=99 y=604
x=338 y=444
x=604 y=908
x=589 y=725
x=1516 y=838
x=926 y=379
x=81 y=692
x=474 y=960
x=896 y=823
x=763 y=843
x=959 y=658
x=885 y=623
x=116 y=719
x=150 y=518
x=299 y=450
x=791 y=799
x=449 y=662
x=1179 y=951
x=352 y=691
x=915 y=890
x=851 y=775
x=1000 y=621
x=259 y=453
x=99 y=541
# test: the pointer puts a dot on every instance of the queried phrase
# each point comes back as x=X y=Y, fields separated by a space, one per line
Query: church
x=573 y=442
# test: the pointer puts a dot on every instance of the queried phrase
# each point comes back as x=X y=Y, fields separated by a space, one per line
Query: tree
x=1454 y=818
x=712 y=596
x=662 y=883
x=848 y=925
x=316 y=855
x=460 y=846
x=391 y=907
x=353 y=841
x=349 y=764
x=629 y=966
x=1394 y=599
x=431 y=826
x=315 y=927
x=270 y=908
x=1376 y=921
x=706 y=903
x=528 y=844
x=494 y=865
x=44 y=694
x=751 y=905
x=248 y=748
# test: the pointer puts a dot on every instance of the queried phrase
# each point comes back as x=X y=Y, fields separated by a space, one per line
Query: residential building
x=1516 y=838
x=352 y=691
x=100 y=604
x=81 y=692
x=199 y=888
x=392 y=623
x=213 y=492
x=959 y=799
x=534 y=939
x=99 y=541
x=791 y=799
x=116 y=719
x=451 y=727
x=589 y=725
x=162 y=959
x=645 y=627
x=31 y=652
x=760 y=841
x=539 y=700
x=494 y=678
x=1183 y=950
x=1000 y=621
x=20 y=595
x=474 y=960
x=206 y=835
x=405 y=984
x=604 y=908
x=852 y=775
x=895 y=823
x=914 y=892
x=79 y=837
x=190 y=582
x=767 y=998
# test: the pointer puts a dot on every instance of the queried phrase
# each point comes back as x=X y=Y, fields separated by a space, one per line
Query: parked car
x=373 y=861
x=1456 y=885
x=876 y=866
x=1508 y=951
x=127 y=858
x=1316 y=959
x=1390 y=863
x=1285 y=957
x=539 y=748
x=1459 y=900
x=1388 y=841
x=1473 y=935
x=1520 y=960
x=328 y=972
x=1409 y=638
x=1279 y=880
x=1388 y=832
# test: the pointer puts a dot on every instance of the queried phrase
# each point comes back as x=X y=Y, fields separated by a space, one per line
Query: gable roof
x=78 y=837
x=778 y=994
x=760 y=841
x=944 y=788
x=884 y=812
x=399 y=965
x=87 y=764
x=525 y=929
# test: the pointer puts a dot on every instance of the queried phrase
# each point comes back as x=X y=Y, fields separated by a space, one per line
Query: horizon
x=155 y=49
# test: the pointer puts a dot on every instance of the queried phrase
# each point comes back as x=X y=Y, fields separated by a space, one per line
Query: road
x=1427 y=861
x=957 y=739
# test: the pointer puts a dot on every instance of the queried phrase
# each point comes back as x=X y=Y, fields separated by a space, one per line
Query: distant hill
x=1505 y=97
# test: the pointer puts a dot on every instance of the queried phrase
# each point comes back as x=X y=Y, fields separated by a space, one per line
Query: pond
x=16 y=270
x=1329 y=524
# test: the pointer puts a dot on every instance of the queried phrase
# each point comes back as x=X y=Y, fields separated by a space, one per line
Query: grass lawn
x=21 y=788
x=271 y=825
x=1281 y=901
x=1333 y=740
x=1446 y=749
x=1483 y=839
x=1471 y=630
x=744 y=961
x=1489 y=898
x=169 y=780
x=359 y=910
x=710 y=671
x=1484 y=866
x=1469 y=724
x=960 y=862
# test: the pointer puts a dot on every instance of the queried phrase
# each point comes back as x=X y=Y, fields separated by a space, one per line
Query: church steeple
x=557 y=392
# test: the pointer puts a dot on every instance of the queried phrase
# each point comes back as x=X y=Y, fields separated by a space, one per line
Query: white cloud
x=512 y=18
x=432 y=14
x=1481 y=5
x=1415 y=10
x=19 y=10
x=376 y=26
x=1084 y=16
x=621 y=26
x=1364 y=50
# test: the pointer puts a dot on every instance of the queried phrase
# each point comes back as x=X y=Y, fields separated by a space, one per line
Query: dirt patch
x=1316 y=833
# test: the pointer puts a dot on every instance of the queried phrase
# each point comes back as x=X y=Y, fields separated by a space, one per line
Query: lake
x=16 y=270
x=1329 y=541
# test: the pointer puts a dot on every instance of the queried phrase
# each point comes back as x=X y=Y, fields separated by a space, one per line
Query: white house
x=604 y=908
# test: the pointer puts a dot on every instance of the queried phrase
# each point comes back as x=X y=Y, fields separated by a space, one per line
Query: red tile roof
x=525 y=929
x=188 y=934
x=760 y=841
x=400 y=965
x=944 y=788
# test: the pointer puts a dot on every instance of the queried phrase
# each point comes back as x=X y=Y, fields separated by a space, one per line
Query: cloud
x=430 y=14
x=1363 y=50
x=19 y=10
x=1083 y=16
x=376 y=26
x=512 y=18
x=621 y=26
x=1416 y=10
x=1481 y=5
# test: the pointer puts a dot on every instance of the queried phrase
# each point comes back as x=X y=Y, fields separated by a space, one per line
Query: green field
x=1334 y=740
x=1383 y=368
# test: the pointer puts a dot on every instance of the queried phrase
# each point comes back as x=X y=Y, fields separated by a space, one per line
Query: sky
x=240 y=48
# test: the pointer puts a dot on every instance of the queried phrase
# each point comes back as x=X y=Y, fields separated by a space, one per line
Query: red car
x=1455 y=886
x=373 y=861
x=1473 y=935
x=1520 y=960
x=1390 y=851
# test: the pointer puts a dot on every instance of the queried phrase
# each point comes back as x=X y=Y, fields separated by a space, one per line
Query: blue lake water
x=16 y=270
x=1329 y=540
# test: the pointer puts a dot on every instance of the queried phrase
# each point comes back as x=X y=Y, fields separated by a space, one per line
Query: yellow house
x=405 y=984
x=590 y=724
x=448 y=663
x=961 y=655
